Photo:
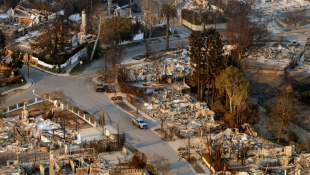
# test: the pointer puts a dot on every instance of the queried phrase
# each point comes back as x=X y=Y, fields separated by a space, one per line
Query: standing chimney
x=83 y=25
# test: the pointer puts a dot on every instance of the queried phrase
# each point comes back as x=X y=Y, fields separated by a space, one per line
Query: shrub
x=15 y=79
x=119 y=97
x=229 y=119
x=218 y=107
x=3 y=83
x=90 y=48
x=129 y=98
x=113 y=98
x=305 y=97
x=7 y=73
x=79 y=48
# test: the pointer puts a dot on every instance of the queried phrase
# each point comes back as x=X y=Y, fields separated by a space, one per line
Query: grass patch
x=198 y=169
x=13 y=93
x=12 y=86
x=79 y=68
x=282 y=142
x=131 y=148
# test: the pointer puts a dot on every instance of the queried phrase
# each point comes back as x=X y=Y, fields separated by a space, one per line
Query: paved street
x=81 y=90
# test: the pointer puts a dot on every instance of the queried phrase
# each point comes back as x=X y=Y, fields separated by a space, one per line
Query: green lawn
x=283 y=143
x=79 y=68
x=131 y=148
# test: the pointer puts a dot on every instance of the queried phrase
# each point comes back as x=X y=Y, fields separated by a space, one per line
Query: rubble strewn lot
x=270 y=10
x=48 y=134
x=191 y=125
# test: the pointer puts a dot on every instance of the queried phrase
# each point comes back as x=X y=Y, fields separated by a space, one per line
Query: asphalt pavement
x=81 y=90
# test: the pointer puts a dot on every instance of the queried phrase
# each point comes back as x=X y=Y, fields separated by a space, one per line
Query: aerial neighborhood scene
x=155 y=87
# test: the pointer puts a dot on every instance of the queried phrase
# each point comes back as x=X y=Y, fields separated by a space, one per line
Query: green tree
x=233 y=81
x=17 y=61
x=207 y=58
x=283 y=111
x=121 y=27
x=90 y=48
x=168 y=11
x=196 y=54
x=2 y=47
x=215 y=61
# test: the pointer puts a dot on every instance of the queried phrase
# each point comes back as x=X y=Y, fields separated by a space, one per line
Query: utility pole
x=28 y=64
x=95 y=45
x=189 y=149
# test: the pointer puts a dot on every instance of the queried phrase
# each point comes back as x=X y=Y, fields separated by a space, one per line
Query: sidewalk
x=24 y=87
x=131 y=110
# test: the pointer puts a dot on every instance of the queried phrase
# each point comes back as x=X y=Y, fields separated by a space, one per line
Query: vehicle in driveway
x=139 y=122
x=99 y=88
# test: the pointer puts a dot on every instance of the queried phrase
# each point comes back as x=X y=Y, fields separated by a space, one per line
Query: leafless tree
x=241 y=33
x=2 y=99
x=108 y=64
x=294 y=17
x=148 y=49
x=162 y=121
x=151 y=7
x=160 y=164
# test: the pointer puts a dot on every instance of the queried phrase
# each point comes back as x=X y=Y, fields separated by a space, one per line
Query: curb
x=113 y=102
x=64 y=74
x=32 y=82
x=84 y=69
x=48 y=72
x=140 y=112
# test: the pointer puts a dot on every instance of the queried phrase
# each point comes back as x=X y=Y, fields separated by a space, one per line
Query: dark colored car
x=99 y=88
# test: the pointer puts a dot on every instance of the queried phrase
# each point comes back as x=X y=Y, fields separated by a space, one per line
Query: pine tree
x=215 y=59
x=196 y=54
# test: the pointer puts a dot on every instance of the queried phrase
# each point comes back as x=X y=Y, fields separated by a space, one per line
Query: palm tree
x=168 y=10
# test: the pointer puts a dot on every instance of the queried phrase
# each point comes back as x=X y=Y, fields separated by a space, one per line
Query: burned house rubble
x=280 y=56
x=170 y=64
x=57 y=141
x=24 y=133
x=243 y=151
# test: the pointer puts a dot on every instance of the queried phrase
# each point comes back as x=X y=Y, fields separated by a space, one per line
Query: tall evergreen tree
x=196 y=53
x=207 y=59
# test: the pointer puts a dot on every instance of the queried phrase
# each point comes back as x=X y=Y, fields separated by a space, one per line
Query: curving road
x=81 y=90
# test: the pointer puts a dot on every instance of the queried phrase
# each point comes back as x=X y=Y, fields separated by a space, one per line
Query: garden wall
x=219 y=26
x=70 y=61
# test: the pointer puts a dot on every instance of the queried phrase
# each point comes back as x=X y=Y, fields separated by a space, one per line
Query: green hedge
x=61 y=59
x=208 y=17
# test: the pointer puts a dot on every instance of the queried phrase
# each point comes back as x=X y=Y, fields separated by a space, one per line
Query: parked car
x=140 y=123
x=99 y=88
